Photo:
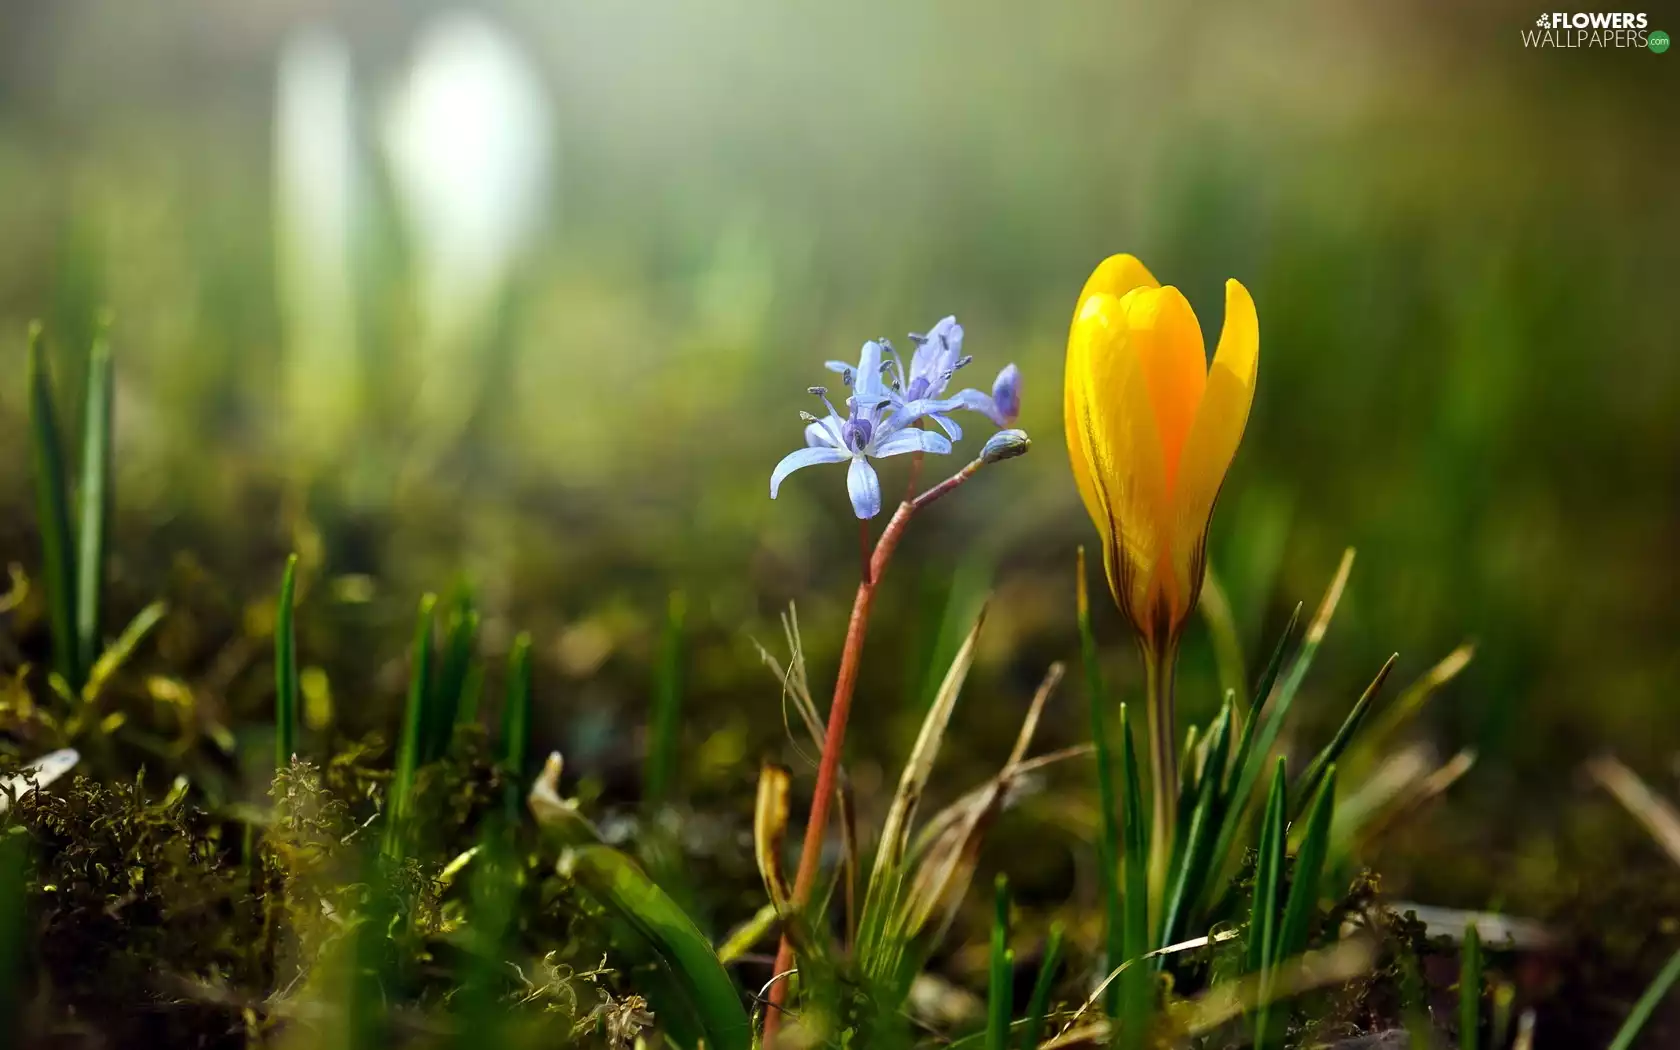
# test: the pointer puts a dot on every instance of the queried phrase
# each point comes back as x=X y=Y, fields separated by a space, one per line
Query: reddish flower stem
x=915 y=475
x=828 y=767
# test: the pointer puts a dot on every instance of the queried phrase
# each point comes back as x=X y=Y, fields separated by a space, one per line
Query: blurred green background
x=529 y=296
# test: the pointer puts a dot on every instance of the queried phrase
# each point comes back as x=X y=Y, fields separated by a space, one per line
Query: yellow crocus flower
x=1151 y=430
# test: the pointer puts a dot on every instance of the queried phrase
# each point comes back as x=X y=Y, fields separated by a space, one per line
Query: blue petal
x=824 y=433
x=1006 y=395
x=871 y=389
x=949 y=334
x=805 y=457
x=907 y=412
x=865 y=488
x=913 y=440
x=975 y=401
x=938 y=354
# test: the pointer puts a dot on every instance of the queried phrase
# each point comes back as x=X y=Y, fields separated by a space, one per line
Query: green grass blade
x=1470 y=990
x=472 y=691
x=883 y=933
x=1038 y=1007
x=94 y=493
x=454 y=698
x=1264 y=943
x=1306 y=881
x=1413 y=697
x=52 y=508
x=1216 y=753
x=1414 y=1002
x=362 y=967
x=1309 y=871
x=493 y=899
x=1108 y=842
x=664 y=726
x=1270 y=712
x=516 y=724
x=1137 y=983
x=285 y=669
x=1268 y=876
x=413 y=726
x=560 y=823
x=706 y=993
x=1262 y=689
x=1197 y=840
x=1647 y=1004
x=998 y=1004
x=1188 y=784
x=658 y=848
x=444 y=693
x=1332 y=752
x=1272 y=717
x=744 y=937
x=949 y=609
x=121 y=649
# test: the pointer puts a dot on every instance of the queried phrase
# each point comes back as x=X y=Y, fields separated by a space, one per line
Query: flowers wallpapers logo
x=1597 y=29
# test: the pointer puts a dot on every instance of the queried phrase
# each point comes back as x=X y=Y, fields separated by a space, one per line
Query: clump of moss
x=1395 y=991
x=151 y=919
x=135 y=904
x=1382 y=999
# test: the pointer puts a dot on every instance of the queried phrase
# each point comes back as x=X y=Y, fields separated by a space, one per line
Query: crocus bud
x=1005 y=444
x=1006 y=394
x=1152 y=428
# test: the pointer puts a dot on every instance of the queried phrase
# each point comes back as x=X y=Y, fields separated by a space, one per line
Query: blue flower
x=877 y=424
x=918 y=391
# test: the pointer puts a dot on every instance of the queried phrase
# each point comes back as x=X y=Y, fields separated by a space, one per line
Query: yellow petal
x=1169 y=346
x=1112 y=279
x=1116 y=450
x=1216 y=432
x=1079 y=454
x=1115 y=276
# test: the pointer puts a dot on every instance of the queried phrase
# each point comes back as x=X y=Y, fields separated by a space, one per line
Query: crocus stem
x=828 y=767
x=1158 y=666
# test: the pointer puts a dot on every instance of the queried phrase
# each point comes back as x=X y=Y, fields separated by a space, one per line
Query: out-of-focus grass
x=1468 y=372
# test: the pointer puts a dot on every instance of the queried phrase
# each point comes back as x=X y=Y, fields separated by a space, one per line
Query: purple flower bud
x=1006 y=394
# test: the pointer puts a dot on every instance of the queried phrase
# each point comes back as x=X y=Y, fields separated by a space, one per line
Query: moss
x=154 y=920
x=137 y=906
